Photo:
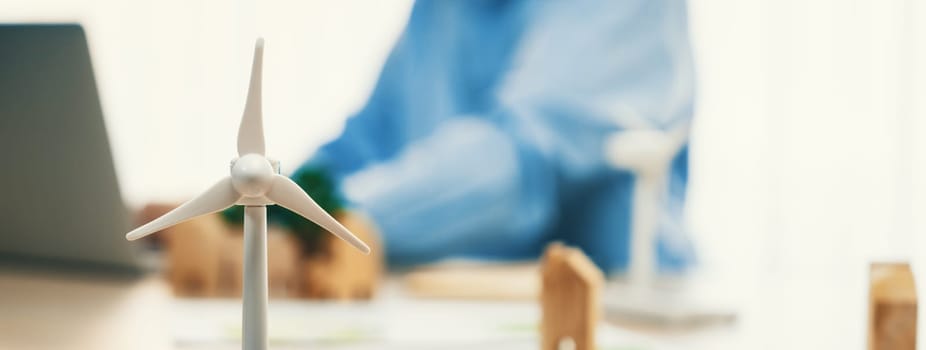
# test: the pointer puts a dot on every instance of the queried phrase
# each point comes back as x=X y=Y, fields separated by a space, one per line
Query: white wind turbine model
x=645 y=294
x=254 y=183
x=648 y=153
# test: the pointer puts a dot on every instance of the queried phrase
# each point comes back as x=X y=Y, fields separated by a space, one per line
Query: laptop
x=60 y=198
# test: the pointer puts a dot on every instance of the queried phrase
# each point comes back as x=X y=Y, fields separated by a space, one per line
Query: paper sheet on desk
x=216 y=324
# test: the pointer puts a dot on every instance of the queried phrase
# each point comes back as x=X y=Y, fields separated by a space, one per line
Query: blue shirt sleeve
x=492 y=175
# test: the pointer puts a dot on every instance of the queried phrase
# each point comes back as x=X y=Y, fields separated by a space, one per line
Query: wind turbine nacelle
x=252 y=174
x=646 y=152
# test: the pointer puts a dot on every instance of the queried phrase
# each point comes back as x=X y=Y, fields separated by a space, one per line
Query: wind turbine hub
x=252 y=175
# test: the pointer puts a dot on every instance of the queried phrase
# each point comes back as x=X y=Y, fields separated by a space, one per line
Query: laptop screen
x=61 y=198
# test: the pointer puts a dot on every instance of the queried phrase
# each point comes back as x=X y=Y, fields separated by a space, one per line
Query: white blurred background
x=808 y=150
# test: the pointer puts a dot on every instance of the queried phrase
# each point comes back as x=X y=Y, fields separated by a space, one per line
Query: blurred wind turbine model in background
x=255 y=182
x=645 y=294
x=648 y=153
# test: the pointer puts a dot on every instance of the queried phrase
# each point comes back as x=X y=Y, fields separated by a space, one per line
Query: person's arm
x=490 y=184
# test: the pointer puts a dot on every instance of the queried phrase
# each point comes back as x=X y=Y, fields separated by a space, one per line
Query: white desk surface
x=40 y=310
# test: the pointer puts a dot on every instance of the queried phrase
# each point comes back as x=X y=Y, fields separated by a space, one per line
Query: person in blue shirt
x=484 y=134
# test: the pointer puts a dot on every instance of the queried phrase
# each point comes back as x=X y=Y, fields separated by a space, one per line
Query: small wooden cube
x=570 y=299
x=891 y=307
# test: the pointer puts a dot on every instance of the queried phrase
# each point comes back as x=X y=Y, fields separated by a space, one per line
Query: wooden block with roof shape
x=570 y=298
x=891 y=307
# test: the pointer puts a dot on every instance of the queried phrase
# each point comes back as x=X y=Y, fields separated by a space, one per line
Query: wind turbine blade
x=251 y=130
x=289 y=195
x=220 y=196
